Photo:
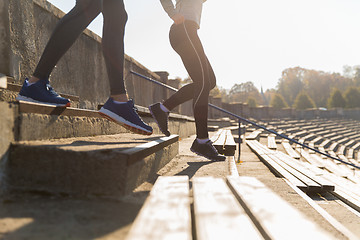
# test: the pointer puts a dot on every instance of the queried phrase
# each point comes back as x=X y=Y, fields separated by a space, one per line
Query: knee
x=88 y=6
x=212 y=82
x=115 y=10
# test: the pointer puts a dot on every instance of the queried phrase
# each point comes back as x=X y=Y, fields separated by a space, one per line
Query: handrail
x=252 y=123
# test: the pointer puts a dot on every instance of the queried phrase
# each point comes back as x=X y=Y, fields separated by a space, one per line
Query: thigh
x=89 y=4
x=187 y=44
x=113 y=8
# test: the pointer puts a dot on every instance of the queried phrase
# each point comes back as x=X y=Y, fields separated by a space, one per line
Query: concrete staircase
x=75 y=151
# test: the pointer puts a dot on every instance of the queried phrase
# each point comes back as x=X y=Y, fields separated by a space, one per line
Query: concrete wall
x=7 y=135
x=25 y=27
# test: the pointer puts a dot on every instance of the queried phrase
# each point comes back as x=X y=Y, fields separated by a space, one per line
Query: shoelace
x=133 y=105
x=50 y=89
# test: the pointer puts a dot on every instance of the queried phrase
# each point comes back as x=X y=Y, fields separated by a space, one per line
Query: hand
x=178 y=18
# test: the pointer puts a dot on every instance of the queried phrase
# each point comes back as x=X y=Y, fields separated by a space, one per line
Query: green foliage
x=303 y=101
x=336 y=100
x=251 y=102
x=317 y=84
x=352 y=97
x=277 y=101
x=291 y=83
x=241 y=92
x=357 y=76
x=215 y=92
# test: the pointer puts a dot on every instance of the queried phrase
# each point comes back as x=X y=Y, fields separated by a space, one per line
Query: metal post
x=239 y=140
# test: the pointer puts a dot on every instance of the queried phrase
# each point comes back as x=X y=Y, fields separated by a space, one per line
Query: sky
x=248 y=40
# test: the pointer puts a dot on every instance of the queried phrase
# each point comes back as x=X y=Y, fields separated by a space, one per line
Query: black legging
x=186 y=43
x=74 y=23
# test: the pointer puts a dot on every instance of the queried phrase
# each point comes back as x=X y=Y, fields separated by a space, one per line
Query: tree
x=291 y=83
x=357 y=76
x=352 y=97
x=215 y=92
x=303 y=101
x=317 y=84
x=224 y=95
x=336 y=99
x=241 y=92
x=251 y=102
x=277 y=101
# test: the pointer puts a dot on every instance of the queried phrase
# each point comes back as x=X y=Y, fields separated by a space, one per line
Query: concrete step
x=40 y=122
x=111 y=165
x=11 y=90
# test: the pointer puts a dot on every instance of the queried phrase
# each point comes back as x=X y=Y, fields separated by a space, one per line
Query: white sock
x=164 y=108
x=202 y=141
x=29 y=83
x=117 y=102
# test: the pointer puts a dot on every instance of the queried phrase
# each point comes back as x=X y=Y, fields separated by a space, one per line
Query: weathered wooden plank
x=275 y=167
x=350 y=153
x=341 y=150
x=312 y=186
x=348 y=198
x=224 y=142
x=232 y=166
x=290 y=150
x=271 y=142
x=312 y=158
x=166 y=212
x=345 y=187
x=218 y=215
x=216 y=136
x=3 y=81
x=218 y=140
x=275 y=218
x=337 y=225
x=297 y=165
x=255 y=135
x=325 y=144
x=230 y=145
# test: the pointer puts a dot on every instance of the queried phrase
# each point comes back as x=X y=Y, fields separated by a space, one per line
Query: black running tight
x=185 y=41
x=74 y=23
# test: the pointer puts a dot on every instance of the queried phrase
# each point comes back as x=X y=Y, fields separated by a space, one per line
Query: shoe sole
x=27 y=99
x=197 y=153
x=164 y=132
x=121 y=121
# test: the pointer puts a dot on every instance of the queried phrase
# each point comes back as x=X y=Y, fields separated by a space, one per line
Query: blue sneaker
x=207 y=150
x=126 y=115
x=41 y=92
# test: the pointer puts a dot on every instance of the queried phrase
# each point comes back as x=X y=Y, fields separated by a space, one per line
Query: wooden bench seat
x=294 y=154
x=224 y=142
x=255 y=135
x=166 y=213
x=287 y=167
x=271 y=142
x=235 y=208
x=325 y=144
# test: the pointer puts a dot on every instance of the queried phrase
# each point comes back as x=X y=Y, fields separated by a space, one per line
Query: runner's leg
x=65 y=33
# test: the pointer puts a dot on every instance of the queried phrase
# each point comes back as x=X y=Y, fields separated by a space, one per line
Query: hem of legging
x=117 y=93
x=41 y=76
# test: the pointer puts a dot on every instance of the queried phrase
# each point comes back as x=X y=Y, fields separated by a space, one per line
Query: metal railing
x=242 y=119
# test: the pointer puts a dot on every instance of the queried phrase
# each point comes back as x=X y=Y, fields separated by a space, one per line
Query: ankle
x=164 y=108
x=120 y=97
x=33 y=80
x=202 y=140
